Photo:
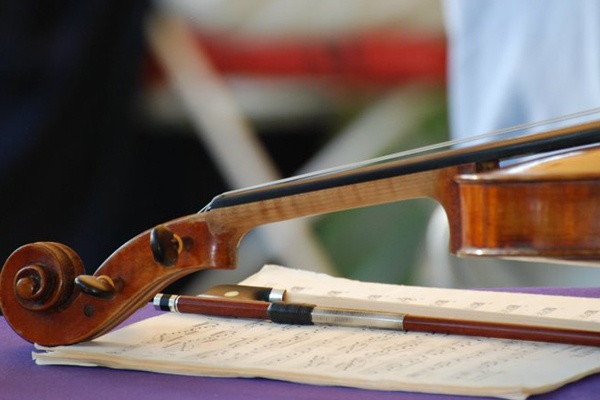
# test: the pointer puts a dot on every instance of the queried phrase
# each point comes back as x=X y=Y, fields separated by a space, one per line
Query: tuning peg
x=165 y=246
x=98 y=286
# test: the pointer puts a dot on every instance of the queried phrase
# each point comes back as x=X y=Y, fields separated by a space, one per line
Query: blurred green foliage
x=382 y=243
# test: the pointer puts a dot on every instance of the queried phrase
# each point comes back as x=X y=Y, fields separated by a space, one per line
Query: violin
x=545 y=205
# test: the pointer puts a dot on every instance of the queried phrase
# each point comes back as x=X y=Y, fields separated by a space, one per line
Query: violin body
x=545 y=208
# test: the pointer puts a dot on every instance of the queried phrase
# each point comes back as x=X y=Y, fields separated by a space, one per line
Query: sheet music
x=555 y=311
x=364 y=358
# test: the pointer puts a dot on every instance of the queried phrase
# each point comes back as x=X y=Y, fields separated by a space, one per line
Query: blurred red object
x=371 y=58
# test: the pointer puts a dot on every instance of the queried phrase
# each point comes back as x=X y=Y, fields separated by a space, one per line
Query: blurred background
x=118 y=116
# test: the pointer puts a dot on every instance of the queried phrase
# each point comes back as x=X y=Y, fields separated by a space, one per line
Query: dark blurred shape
x=69 y=71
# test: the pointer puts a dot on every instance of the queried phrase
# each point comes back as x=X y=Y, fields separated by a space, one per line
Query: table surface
x=21 y=378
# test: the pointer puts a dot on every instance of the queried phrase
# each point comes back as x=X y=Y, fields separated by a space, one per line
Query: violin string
x=422 y=150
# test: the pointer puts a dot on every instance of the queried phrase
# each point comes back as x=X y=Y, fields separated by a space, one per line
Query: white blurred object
x=308 y=17
x=225 y=131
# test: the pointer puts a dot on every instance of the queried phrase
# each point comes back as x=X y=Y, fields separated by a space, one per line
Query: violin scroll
x=44 y=276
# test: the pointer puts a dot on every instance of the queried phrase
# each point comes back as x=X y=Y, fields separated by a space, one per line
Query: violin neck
x=352 y=178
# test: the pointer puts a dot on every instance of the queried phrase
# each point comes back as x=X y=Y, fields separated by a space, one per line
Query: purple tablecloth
x=20 y=378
